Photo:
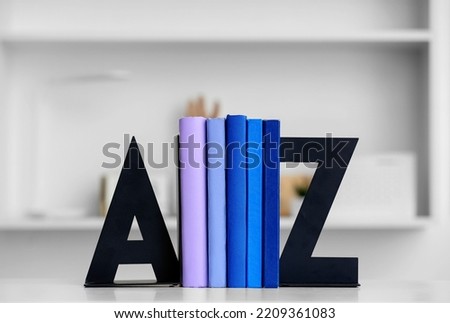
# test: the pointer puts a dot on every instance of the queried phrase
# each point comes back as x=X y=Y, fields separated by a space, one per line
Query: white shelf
x=419 y=222
x=292 y=36
x=286 y=223
x=88 y=223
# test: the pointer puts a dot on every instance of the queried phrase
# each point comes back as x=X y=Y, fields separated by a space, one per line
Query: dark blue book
x=271 y=203
x=254 y=203
x=217 y=217
x=236 y=177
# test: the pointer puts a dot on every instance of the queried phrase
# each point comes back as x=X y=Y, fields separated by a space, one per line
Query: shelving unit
x=274 y=54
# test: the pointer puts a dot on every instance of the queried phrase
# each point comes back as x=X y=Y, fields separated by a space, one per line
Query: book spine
x=271 y=198
x=193 y=202
x=217 y=252
x=236 y=176
x=254 y=203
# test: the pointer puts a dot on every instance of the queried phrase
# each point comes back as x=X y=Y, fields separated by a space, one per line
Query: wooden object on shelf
x=197 y=108
x=108 y=183
x=288 y=185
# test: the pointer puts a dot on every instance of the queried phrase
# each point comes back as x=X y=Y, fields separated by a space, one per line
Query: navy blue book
x=271 y=203
x=236 y=187
x=254 y=203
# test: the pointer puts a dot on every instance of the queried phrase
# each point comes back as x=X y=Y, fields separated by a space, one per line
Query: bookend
x=297 y=266
x=133 y=197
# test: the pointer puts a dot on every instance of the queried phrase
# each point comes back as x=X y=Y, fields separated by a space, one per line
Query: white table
x=35 y=290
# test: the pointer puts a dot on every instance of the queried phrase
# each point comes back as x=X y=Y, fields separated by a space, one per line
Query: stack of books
x=229 y=202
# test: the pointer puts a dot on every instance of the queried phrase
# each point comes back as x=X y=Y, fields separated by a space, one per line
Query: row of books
x=229 y=202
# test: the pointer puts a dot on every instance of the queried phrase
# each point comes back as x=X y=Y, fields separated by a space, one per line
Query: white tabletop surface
x=34 y=290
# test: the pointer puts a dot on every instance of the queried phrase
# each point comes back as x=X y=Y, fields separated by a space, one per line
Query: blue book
x=236 y=176
x=271 y=206
x=217 y=248
x=254 y=203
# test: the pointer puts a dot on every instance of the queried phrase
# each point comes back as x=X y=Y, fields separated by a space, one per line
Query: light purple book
x=193 y=194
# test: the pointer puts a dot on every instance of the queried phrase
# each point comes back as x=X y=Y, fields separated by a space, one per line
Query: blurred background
x=78 y=74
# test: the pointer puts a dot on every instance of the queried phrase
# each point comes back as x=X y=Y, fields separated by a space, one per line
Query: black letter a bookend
x=133 y=197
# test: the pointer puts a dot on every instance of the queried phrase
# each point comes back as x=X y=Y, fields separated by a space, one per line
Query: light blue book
x=254 y=203
x=217 y=248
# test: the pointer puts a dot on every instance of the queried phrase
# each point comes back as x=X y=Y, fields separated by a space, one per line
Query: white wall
x=374 y=92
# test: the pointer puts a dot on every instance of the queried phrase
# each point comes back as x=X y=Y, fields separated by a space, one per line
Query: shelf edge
x=388 y=36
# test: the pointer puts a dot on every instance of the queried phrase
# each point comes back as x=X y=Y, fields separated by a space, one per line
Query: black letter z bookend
x=133 y=197
x=297 y=265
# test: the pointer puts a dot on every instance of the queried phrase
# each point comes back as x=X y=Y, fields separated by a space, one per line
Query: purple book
x=193 y=194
